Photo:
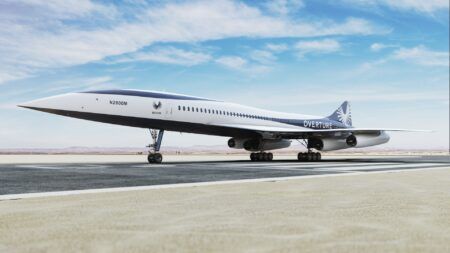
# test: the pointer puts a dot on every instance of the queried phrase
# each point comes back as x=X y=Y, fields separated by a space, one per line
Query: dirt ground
x=391 y=212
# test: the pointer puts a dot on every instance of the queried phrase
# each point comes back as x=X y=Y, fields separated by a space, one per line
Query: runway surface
x=36 y=178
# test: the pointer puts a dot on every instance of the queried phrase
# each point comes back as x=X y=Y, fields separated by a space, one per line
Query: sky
x=390 y=59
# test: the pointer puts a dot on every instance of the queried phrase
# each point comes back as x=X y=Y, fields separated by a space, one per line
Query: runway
x=40 y=178
x=357 y=203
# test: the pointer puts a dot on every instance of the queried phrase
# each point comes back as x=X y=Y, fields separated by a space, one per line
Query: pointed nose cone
x=47 y=104
x=31 y=104
x=37 y=104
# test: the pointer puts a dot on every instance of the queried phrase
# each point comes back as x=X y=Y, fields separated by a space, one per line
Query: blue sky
x=389 y=58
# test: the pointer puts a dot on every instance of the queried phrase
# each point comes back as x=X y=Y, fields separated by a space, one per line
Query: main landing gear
x=309 y=156
x=261 y=156
x=153 y=154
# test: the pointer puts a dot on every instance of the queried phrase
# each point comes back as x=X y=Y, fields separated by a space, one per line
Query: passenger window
x=179 y=108
x=184 y=108
x=196 y=109
x=189 y=109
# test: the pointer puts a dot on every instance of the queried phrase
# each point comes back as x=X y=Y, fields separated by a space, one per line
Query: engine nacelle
x=327 y=144
x=258 y=145
x=367 y=140
x=352 y=141
x=236 y=143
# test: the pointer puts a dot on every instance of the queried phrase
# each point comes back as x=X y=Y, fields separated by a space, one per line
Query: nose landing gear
x=153 y=154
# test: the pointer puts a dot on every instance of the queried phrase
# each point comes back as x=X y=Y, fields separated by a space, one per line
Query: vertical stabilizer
x=342 y=114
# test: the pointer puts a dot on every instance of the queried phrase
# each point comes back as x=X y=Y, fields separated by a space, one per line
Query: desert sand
x=392 y=212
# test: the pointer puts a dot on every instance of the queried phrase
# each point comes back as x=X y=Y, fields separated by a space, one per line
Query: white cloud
x=277 y=48
x=242 y=65
x=422 y=6
x=380 y=46
x=317 y=46
x=66 y=8
x=422 y=56
x=10 y=73
x=233 y=62
x=418 y=5
x=81 y=83
x=168 y=55
x=292 y=99
x=284 y=7
x=262 y=56
x=33 y=41
x=419 y=55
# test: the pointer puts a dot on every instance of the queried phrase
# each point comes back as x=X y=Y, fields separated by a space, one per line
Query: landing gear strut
x=153 y=155
x=261 y=156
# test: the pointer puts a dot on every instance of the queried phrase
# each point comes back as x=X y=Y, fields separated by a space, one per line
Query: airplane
x=255 y=130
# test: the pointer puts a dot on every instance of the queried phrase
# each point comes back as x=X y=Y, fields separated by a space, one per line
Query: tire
x=269 y=156
x=310 y=157
x=301 y=156
x=253 y=157
x=151 y=158
x=319 y=156
x=259 y=156
x=265 y=157
x=158 y=158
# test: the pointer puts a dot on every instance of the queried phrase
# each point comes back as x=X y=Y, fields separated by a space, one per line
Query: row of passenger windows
x=219 y=112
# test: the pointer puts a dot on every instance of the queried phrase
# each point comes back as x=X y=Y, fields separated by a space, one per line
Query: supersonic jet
x=255 y=130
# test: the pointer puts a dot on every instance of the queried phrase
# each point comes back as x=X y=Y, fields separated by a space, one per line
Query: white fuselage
x=193 y=111
x=251 y=128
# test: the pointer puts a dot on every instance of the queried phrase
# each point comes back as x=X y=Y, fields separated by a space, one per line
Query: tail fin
x=342 y=114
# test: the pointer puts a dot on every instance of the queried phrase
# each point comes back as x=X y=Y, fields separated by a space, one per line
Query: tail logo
x=344 y=115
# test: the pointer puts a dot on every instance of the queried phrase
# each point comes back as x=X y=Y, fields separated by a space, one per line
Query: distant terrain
x=201 y=149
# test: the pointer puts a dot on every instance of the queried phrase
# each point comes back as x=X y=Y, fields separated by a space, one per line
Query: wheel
x=310 y=157
x=253 y=156
x=302 y=156
x=158 y=158
x=269 y=156
x=151 y=158
x=265 y=156
x=318 y=157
